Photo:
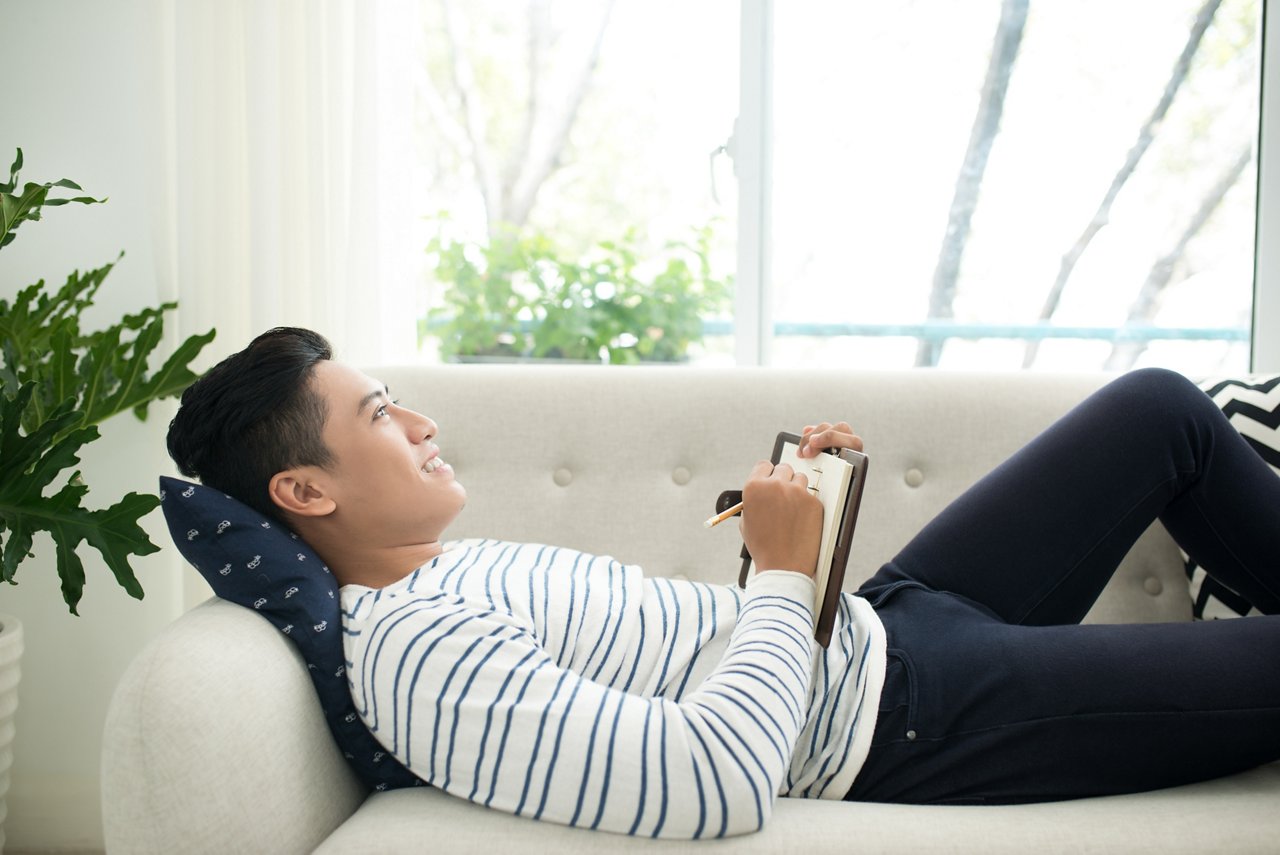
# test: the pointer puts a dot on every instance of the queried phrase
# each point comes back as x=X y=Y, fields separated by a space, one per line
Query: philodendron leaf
x=39 y=333
x=172 y=377
x=106 y=371
x=28 y=464
x=18 y=206
x=113 y=531
x=13 y=174
x=126 y=365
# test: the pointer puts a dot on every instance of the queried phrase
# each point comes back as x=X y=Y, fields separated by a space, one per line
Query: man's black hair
x=252 y=415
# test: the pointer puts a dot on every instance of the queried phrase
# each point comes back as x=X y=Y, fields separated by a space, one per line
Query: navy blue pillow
x=257 y=563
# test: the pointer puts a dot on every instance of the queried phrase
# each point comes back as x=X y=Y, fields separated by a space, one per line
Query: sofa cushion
x=1253 y=406
x=257 y=563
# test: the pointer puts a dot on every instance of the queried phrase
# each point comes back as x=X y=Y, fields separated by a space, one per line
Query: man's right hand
x=781 y=520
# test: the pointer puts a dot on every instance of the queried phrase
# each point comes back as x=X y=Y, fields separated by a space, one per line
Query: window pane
x=884 y=145
x=564 y=138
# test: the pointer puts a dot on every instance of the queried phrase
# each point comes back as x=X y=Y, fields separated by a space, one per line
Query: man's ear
x=302 y=492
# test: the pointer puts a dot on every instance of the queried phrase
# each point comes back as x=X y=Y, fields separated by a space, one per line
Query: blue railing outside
x=941 y=330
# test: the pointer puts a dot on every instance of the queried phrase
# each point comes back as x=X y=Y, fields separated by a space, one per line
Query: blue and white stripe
x=563 y=686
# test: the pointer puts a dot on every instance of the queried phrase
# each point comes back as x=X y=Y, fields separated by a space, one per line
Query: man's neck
x=377 y=567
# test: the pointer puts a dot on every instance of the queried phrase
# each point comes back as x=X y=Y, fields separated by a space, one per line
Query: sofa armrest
x=214 y=742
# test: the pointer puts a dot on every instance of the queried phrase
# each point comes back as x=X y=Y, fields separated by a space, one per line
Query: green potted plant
x=57 y=383
x=518 y=296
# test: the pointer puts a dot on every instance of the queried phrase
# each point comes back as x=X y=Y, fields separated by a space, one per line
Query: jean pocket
x=895 y=721
x=879 y=595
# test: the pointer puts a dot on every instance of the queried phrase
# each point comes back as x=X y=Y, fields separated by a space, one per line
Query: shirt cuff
x=786 y=583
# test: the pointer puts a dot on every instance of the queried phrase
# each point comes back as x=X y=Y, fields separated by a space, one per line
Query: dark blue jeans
x=995 y=694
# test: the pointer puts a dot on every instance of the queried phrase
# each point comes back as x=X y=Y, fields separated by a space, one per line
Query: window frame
x=1265 y=349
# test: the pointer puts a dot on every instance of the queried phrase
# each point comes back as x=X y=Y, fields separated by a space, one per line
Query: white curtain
x=290 y=173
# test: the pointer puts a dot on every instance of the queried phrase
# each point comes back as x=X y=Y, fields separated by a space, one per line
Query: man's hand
x=815 y=438
x=781 y=519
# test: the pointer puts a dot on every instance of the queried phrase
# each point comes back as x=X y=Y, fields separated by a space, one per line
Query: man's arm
x=474 y=705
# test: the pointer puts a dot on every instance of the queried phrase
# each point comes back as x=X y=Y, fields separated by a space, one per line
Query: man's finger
x=806 y=440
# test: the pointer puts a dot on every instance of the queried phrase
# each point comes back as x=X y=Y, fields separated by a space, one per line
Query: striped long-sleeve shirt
x=568 y=687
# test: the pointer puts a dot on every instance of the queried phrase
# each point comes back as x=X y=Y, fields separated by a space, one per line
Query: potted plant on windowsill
x=57 y=383
x=518 y=297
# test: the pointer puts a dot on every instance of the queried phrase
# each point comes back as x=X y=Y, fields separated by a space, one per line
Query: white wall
x=82 y=99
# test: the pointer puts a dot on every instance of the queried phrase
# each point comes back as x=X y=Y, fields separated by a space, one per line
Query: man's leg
x=976 y=710
x=1037 y=539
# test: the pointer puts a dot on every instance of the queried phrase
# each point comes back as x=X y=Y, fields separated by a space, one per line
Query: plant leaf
x=17 y=548
x=28 y=464
x=13 y=174
x=16 y=208
x=113 y=531
x=173 y=377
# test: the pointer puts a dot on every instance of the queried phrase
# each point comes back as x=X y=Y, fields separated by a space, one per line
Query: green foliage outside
x=58 y=382
x=520 y=296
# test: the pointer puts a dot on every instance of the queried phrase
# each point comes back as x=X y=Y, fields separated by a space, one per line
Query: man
x=567 y=687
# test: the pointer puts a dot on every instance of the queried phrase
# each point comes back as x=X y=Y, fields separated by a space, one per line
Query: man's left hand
x=816 y=438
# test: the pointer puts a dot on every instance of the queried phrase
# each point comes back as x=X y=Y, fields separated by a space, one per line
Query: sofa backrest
x=629 y=461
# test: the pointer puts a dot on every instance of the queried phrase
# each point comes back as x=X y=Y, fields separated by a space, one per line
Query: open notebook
x=837 y=478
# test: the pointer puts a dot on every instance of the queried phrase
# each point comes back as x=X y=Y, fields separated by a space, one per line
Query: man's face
x=387 y=479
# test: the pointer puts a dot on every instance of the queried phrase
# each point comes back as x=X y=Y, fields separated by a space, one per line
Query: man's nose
x=420 y=428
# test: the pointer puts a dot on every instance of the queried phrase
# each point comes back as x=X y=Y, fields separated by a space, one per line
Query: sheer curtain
x=290 y=172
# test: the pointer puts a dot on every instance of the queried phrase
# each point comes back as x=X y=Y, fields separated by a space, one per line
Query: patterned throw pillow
x=1253 y=406
x=255 y=562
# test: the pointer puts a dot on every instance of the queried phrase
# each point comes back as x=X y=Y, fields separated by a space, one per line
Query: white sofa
x=215 y=743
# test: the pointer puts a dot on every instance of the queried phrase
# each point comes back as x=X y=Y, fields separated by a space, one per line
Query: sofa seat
x=1215 y=816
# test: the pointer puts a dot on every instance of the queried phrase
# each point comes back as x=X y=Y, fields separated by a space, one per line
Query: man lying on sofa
x=568 y=687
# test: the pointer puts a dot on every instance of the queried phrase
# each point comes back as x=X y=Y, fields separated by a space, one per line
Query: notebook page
x=828 y=479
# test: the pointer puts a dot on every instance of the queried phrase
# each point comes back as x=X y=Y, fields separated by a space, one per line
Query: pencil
x=721 y=517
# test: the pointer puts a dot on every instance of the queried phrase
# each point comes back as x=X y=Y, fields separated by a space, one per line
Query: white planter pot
x=10 y=658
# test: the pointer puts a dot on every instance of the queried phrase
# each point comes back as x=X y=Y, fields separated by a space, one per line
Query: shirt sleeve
x=472 y=704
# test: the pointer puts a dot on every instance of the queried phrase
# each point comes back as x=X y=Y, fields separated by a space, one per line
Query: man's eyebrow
x=384 y=392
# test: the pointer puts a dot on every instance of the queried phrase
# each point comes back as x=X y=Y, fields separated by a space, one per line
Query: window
x=570 y=147
x=961 y=184
x=995 y=185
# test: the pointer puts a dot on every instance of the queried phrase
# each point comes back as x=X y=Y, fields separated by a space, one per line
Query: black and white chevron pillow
x=1252 y=404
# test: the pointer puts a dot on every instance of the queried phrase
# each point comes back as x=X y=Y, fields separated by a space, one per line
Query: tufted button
x=1152 y=586
x=914 y=477
x=681 y=475
x=563 y=477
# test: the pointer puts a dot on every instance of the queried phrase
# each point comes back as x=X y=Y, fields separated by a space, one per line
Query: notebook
x=836 y=477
